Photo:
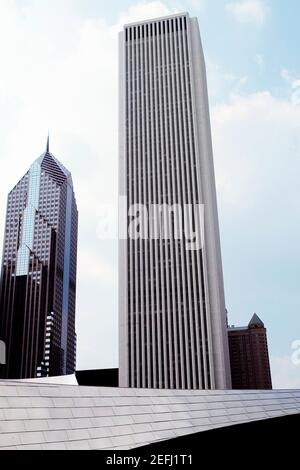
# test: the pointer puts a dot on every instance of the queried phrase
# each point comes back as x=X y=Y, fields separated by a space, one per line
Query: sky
x=59 y=72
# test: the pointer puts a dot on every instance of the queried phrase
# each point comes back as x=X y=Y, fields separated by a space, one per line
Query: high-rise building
x=173 y=331
x=38 y=279
x=249 y=356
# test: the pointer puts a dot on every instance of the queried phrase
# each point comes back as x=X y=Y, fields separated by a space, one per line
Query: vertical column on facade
x=41 y=305
x=136 y=183
x=170 y=274
x=147 y=198
x=137 y=200
x=202 y=267
x=12 y=287
x=182 y=195
x=4 y=298
x=30 y=320
x=34 y=306
x=177 y=197
x=151 y=173
x=197 y=296
x=141 y=174
x=130 y=99
x=26 y=322
x=6 y=280
x=190 y=198
x=162 y=191
x=143 y=242
x=156 y=184
x=173 y=196
x=203 y=300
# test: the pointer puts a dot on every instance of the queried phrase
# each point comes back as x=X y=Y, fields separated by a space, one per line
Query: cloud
x=285 y=374
x=248 y=11
x=259 y=59
x=289 y=77
x=100 y=271
x=221 y=83
x=144 y=11
x=256 y=136
x=256 y=140
x=197 y=4
x=65 y=77
x=294 y=83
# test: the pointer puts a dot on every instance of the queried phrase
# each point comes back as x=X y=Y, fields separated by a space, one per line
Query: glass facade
x=38 y=281
x=29 y=220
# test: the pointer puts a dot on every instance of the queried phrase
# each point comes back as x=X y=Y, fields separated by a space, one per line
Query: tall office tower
x=38 y=281
x=249 y=356
x=173 y=331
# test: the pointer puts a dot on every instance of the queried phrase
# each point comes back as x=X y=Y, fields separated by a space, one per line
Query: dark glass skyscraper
x=38 y=279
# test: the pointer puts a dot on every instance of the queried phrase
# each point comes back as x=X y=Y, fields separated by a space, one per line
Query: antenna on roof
x=48 y=143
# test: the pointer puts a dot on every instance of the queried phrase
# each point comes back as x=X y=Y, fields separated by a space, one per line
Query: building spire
x=48 y=144
x=256 y=322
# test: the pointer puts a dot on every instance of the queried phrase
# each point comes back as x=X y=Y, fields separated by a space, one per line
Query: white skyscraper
x=173 y=331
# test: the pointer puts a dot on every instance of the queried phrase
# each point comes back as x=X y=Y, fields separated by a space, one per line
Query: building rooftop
x=256 y=322
x=154 y=20
x=48 y=154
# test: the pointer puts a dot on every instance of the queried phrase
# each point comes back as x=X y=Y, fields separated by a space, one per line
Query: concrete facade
x=171 y=304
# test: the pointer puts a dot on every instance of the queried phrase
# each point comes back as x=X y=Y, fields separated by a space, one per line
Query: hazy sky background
x=58 y=71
